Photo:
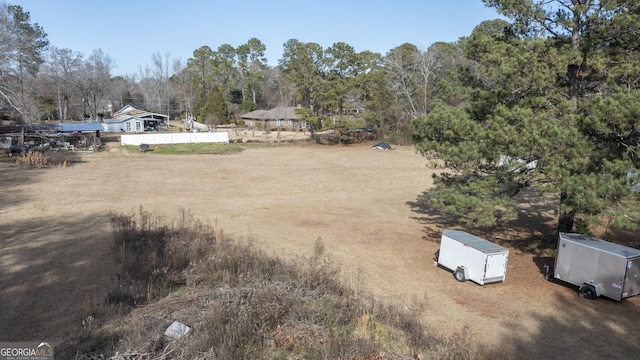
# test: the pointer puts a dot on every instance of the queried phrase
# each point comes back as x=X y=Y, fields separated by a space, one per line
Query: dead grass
x=41 y=159
x=242 y=303
x=56 y=264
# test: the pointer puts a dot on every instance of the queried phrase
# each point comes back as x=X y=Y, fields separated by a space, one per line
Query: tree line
x=41 y=82
x=546 y=98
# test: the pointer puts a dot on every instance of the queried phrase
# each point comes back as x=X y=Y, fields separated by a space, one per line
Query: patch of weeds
x=43 y=159
x=186 y=149
x=242 y=303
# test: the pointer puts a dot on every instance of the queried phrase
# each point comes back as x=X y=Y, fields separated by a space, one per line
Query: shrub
x=242 y=303
x=40 y=159
x=152 y=256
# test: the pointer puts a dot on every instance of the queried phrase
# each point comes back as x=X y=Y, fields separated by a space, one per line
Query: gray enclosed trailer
x=472 y=258
x=597 y=267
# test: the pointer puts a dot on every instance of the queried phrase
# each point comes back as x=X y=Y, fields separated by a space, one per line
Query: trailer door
x=496 y=266
x=632 y=278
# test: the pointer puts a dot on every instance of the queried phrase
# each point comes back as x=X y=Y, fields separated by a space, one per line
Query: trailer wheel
x=588 y=292
x=459 y=275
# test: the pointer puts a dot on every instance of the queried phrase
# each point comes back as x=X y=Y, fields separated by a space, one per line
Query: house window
x=138 y=126
x=128 y=126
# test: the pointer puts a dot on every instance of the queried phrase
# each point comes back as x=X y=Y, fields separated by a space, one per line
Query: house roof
x=52 y=128
x=132 y=111
x=89 y=126
x=151 y=116
x=255 y=114
x=277 y=113
x=127 y=110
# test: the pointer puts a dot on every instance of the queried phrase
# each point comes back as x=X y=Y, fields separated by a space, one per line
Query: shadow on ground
x=580 y=332
x=53 y=272
x=533 y=231
x=11 y=177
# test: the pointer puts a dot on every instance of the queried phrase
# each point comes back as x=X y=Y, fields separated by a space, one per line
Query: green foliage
x=301 y=64
x=201 y=65
x=30 y=40
x=552 y=102
x=22 y=52
x=195 y=148
x=247 y=106
x=611 y=123
x=478 y=192
x=47 y=106
x=252 y=63
x=342 y=68
x=381 y=108
x=343 y=125
x=215 y=110
x=307 y=115
x=328 y=80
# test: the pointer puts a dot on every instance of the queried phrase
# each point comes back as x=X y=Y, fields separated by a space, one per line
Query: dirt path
x=366 y=205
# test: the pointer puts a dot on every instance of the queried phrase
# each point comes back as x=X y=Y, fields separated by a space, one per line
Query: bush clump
x=42 y=159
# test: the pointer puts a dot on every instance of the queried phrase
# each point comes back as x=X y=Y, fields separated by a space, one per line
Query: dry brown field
x=368 y=207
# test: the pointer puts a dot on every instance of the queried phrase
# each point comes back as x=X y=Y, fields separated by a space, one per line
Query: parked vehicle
x=17 y=149
x=472 y=258
x=597 y=267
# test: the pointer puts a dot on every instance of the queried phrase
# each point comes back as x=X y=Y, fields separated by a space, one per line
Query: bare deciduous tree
x=62 y=67
x=94 y=82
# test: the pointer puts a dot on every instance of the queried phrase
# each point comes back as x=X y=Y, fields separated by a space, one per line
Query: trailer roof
x=603 y=245
x=473 y=241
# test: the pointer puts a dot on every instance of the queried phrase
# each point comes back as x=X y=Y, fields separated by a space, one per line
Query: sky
x=130 y=32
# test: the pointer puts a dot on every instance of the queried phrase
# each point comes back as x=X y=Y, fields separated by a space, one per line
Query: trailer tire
x=588 y=292
x=459 y=275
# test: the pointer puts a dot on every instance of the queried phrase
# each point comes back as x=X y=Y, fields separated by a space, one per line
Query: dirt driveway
x=367 y=206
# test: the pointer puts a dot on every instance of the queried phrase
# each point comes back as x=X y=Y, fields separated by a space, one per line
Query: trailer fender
x=461 y=274
x=590 y=291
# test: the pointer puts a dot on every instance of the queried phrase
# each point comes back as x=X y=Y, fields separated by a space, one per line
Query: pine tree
x=22 y=51
x=548 y=111
x=215 y=110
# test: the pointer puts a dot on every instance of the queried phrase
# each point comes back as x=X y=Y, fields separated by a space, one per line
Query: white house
x=132 y=119
x=124 y=124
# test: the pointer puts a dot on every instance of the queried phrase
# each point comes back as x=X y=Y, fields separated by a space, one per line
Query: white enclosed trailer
x=597 y=267
x=472 y=258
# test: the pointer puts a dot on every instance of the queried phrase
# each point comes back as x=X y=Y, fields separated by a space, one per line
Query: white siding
x=174 y=138
x=131 y=125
